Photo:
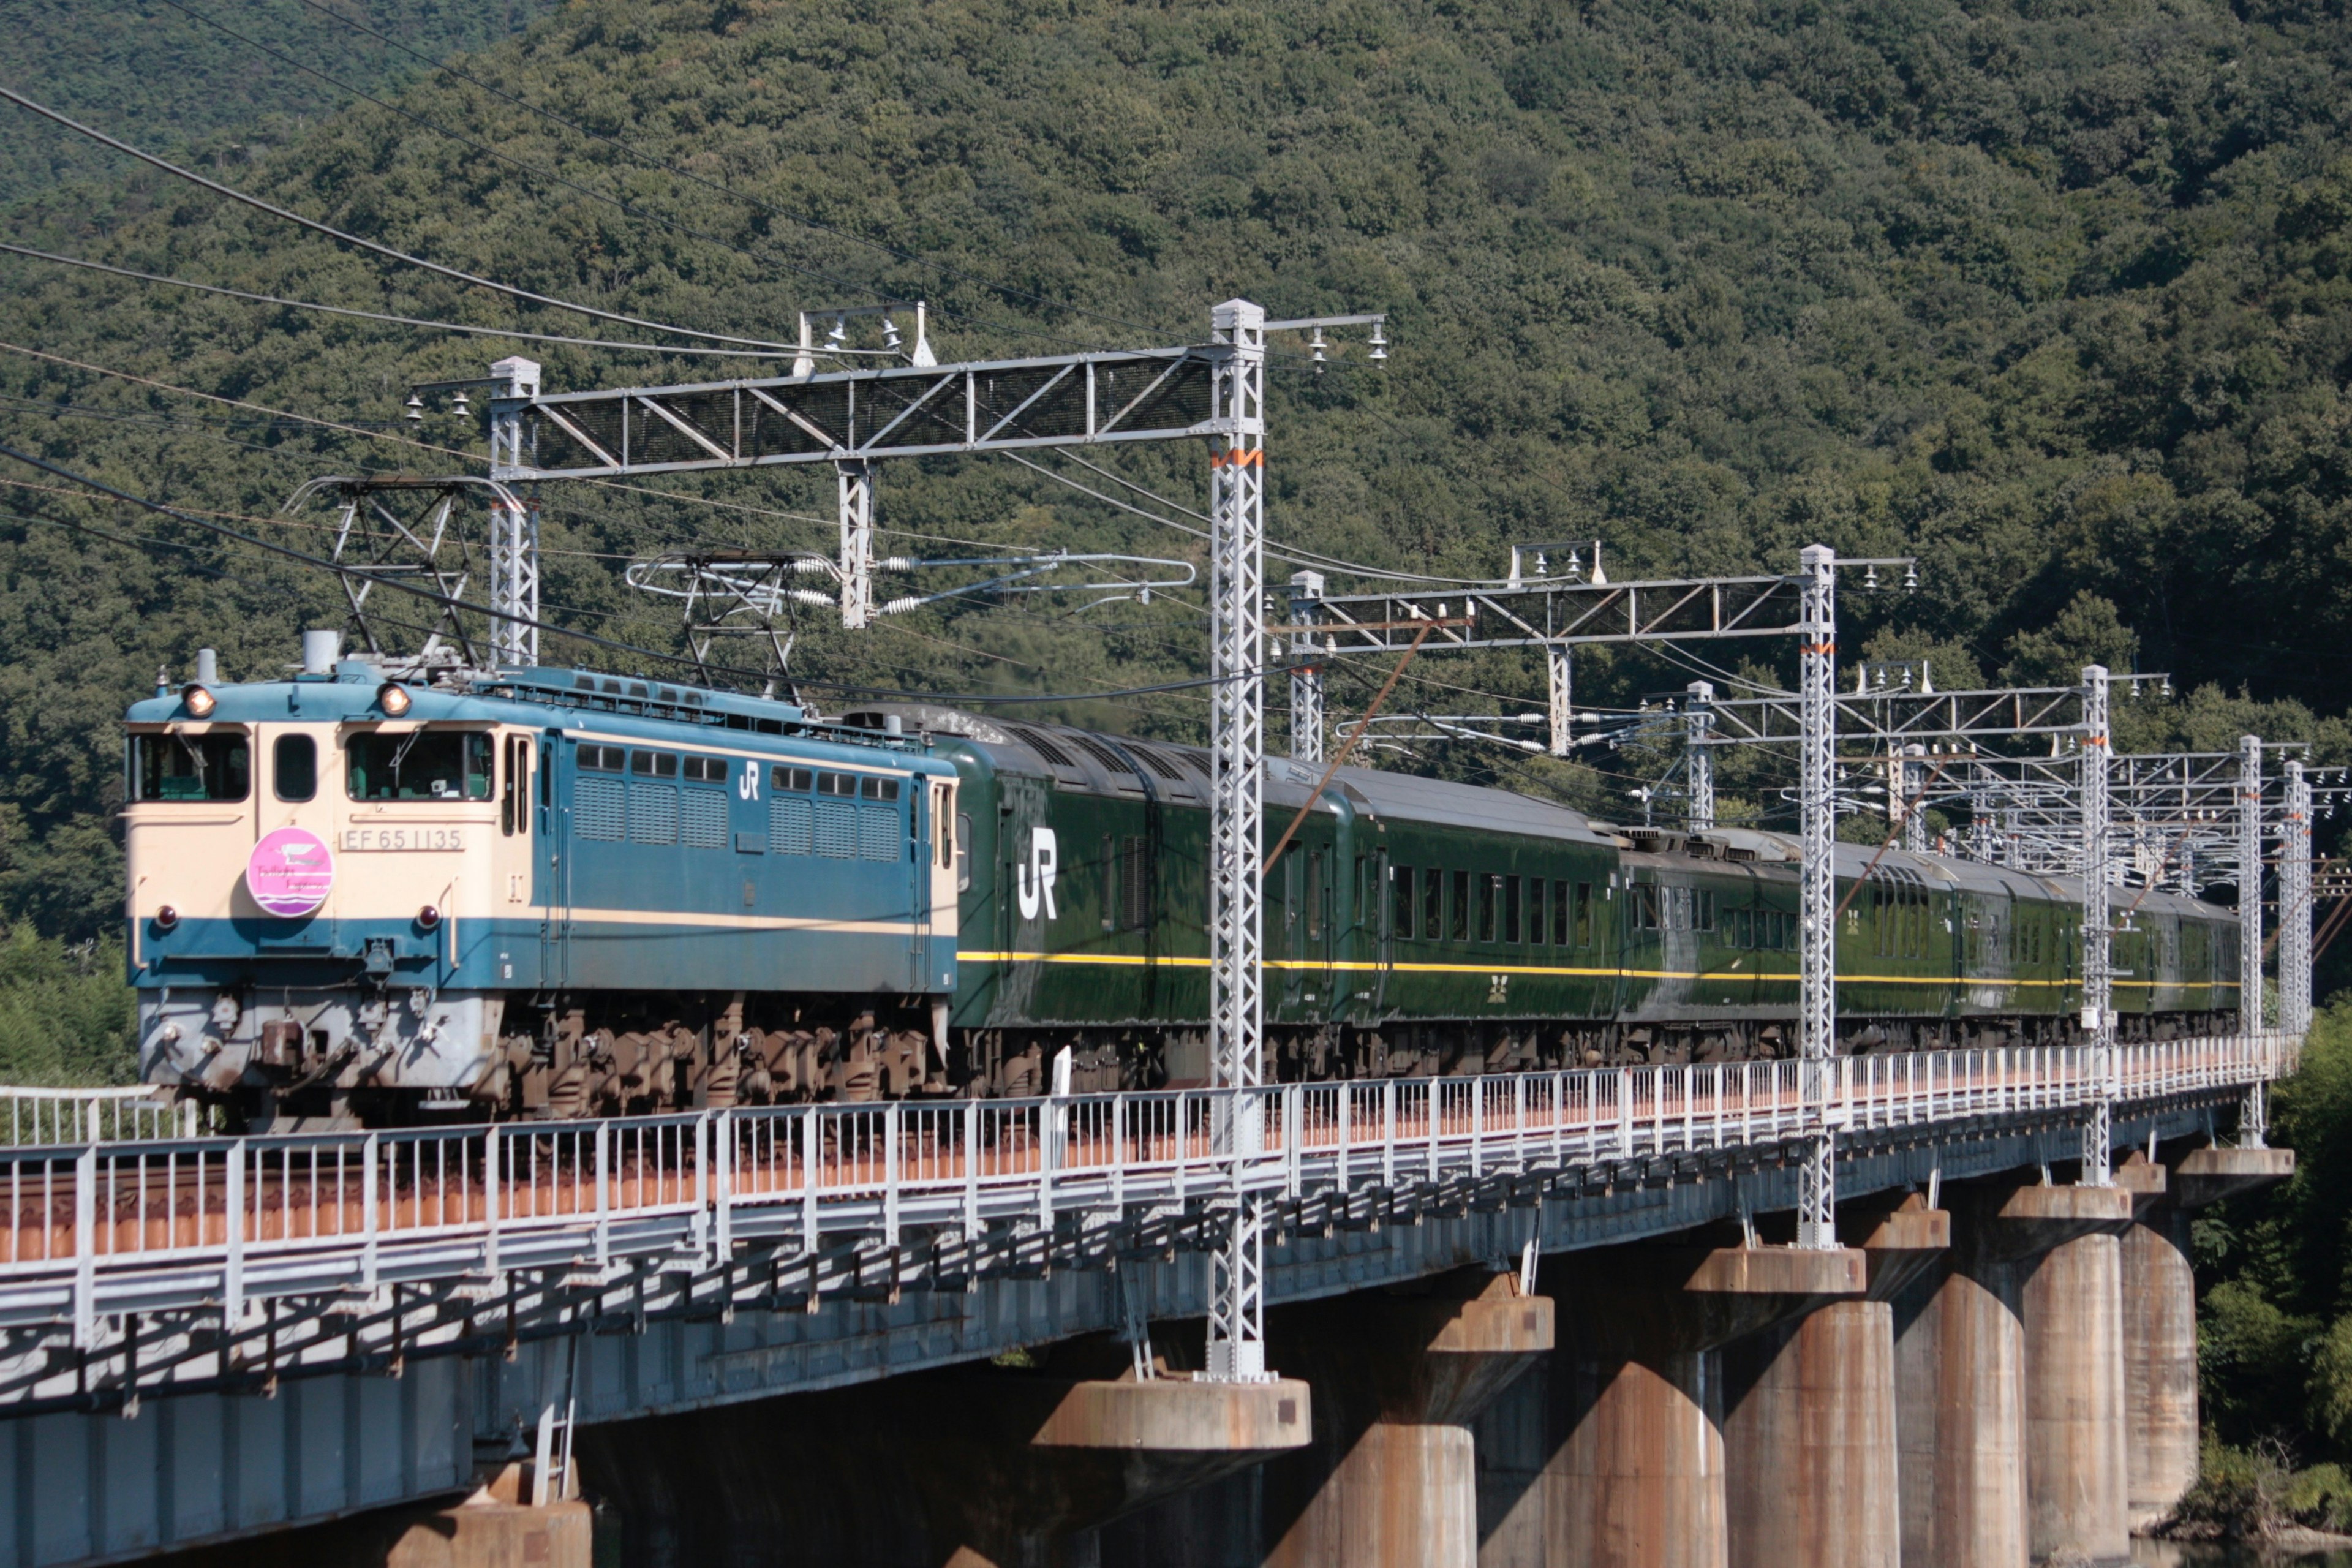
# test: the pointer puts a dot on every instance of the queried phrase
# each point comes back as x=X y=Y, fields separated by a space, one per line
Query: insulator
x=463 y=406
x=416 y=407
x=1380 y=342
x=1317 y=346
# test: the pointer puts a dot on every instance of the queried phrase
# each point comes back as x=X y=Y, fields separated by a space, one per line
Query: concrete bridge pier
x=2159 y=1317
x=1810 y=1433
x=1621 y=1463
x=1390 y=1480
x=2008 y=1379
x=973 y=1468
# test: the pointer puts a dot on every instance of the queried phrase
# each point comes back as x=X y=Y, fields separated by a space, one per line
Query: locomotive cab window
x=213 y=766
x=422 y=764
x=294 y=767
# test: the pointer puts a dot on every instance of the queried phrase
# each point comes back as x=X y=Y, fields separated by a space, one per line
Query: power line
x=511 y=161
x=396 y=320
x=233 y=193
x=614 y=645
x=234 y=401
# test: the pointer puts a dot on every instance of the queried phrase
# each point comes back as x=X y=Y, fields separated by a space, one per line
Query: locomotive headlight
x=199 y=702
x=166 y=918
x=428 y=917
x=393 y=697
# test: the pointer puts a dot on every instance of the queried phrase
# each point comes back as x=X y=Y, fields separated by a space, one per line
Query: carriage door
x=1294 y=929
x=1380 y=921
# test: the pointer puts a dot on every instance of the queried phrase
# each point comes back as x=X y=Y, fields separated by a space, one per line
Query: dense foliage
x=2050 y=295
x=2274 y=1345
x=65 y=1015
x=162 y=74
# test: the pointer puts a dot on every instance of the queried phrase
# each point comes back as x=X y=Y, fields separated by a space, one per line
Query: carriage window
x=294 y=767
x=1489 y=892
x=1584 y=914
x=962 y=851
x=1461 y=927
x=1511 y=909
x=1110 y=884
x=215 y=766
x=422 y=764
x=1135 y=881
x=1432 y=904
x=1315 y=893
x=1403 y=897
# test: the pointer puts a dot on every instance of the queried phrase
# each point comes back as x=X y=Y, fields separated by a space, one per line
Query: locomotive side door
x=555 y=900
x=937 y=891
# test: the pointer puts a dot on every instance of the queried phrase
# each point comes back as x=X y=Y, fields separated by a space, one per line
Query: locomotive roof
x=662 y=712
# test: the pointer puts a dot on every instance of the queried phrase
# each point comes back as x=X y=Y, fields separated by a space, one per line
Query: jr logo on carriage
x=1036 y=877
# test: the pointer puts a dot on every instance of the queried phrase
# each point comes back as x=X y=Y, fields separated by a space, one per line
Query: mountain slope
x=188 y=87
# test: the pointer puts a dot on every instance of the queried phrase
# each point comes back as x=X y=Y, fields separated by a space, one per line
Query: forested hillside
x=190 y=89
x=2054 y=296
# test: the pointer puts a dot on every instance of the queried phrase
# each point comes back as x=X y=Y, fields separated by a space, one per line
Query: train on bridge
x=545 y=892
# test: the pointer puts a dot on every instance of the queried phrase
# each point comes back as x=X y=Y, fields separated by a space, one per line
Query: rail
x=92 y=1225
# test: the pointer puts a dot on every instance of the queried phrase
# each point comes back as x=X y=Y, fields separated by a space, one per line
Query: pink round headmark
x=289 y=871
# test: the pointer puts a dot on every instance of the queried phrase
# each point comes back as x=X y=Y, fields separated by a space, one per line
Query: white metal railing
x=528 y=1193
x=36 y=1117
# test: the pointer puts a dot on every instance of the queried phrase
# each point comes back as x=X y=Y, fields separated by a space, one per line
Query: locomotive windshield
x=216 y=767
x=420 y=764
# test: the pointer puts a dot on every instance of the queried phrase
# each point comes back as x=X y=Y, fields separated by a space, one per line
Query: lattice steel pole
x=1817 y=963
x=1306 y=678
x=2098 y=938
x=1561 y=684
x=857 y=484
x=1699 y=757
x=2249 y=885
x=1914 y=815
x=514 y=524
x=1236 y=1338
x=2294 y=905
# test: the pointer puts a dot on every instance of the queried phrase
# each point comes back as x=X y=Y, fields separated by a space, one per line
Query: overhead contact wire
x=396 y=320
x=345 y=236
